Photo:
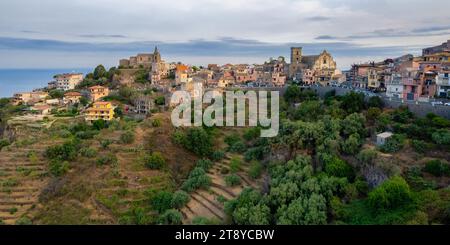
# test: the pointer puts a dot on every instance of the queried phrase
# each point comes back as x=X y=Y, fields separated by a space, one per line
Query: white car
x=437 y=103
x=447 y=104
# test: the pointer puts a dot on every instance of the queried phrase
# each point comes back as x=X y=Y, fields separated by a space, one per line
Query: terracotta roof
x=72 y=94
x=102 y=103
x=182 y=68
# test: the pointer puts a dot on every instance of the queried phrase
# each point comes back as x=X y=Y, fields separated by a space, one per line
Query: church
x=141 y=60
x=311 y=69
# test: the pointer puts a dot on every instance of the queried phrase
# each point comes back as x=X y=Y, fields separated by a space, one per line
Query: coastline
x=26 y=79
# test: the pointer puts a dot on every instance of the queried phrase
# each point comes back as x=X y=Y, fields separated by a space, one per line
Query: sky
x=84 y=33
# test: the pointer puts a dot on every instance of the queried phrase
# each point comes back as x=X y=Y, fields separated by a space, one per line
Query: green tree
x=56 y=94
x=99 y=72
x=375 y=101
x=198 y=141
x=160 y=100
x=442 y=137
x=311 y=211
x=180 y=199
x=437 y=168
x=351 y=145
x=232 y=180
x=353 y=102
x=171 y=217
x=161 y=201
x=339 y=168
x=393 y=193
x=309 y=111
x=58 y=168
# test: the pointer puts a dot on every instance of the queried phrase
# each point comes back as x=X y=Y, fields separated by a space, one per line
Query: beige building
x=67 y=81
x=29 y=97
x=72 y=97
x=98 y=92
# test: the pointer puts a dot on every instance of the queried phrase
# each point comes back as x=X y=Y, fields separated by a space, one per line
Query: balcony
x=410 y=82
x=443 y=81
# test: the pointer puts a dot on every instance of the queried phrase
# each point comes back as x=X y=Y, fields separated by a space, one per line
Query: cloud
x=201 y=50
x=326 y=37
x=318 y=18
x=102 y=36
x=431 y=29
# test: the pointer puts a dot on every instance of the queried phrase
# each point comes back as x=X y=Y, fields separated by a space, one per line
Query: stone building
x=143 y=105
x=322 y=66
x=141 y=60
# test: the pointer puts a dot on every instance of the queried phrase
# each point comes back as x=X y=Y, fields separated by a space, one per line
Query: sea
x=24 y=80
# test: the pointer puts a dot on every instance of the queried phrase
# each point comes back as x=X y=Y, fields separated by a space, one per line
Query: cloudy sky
x=83 y=33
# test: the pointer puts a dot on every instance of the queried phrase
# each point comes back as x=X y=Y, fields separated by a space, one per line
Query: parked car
x=437 y=103
x=447 y=104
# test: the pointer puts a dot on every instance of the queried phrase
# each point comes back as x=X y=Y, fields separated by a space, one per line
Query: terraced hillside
x=23 y=174
x=209 y=203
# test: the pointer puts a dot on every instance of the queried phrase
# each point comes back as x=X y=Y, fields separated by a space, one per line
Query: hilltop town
x=99 y=148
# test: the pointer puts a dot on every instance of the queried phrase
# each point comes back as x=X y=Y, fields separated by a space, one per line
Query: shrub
x=198 y=141
x=339 y=168
x=204 y=221
x=99 y=124
x=376 y=102
x=108 y=159
x=104 y=143
x=255 y=153
x=255 y=170
x=154 y=161
x=179 y=138
x=58 y=168
x=156 y=123
x=180 y=199
x=205 y=164
x=66 y=152
x=24 y=221
x=437 y=168
x=252 y=133
x=373 y=113
x=160 y=100
x=88 y=152
x=162 y=201
x=367 y=156
x=232 y=139
x=171 y=217
x=420 y=146
x=393 y=144
x=235 y=164
x=217 y=155
x=127 y=137
x=197 y=179
x=233 y=180
x=3 y=143
x=351 y=145
x=393 y=193
x=238 y=147
x=85 y=135
x=442 y=137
